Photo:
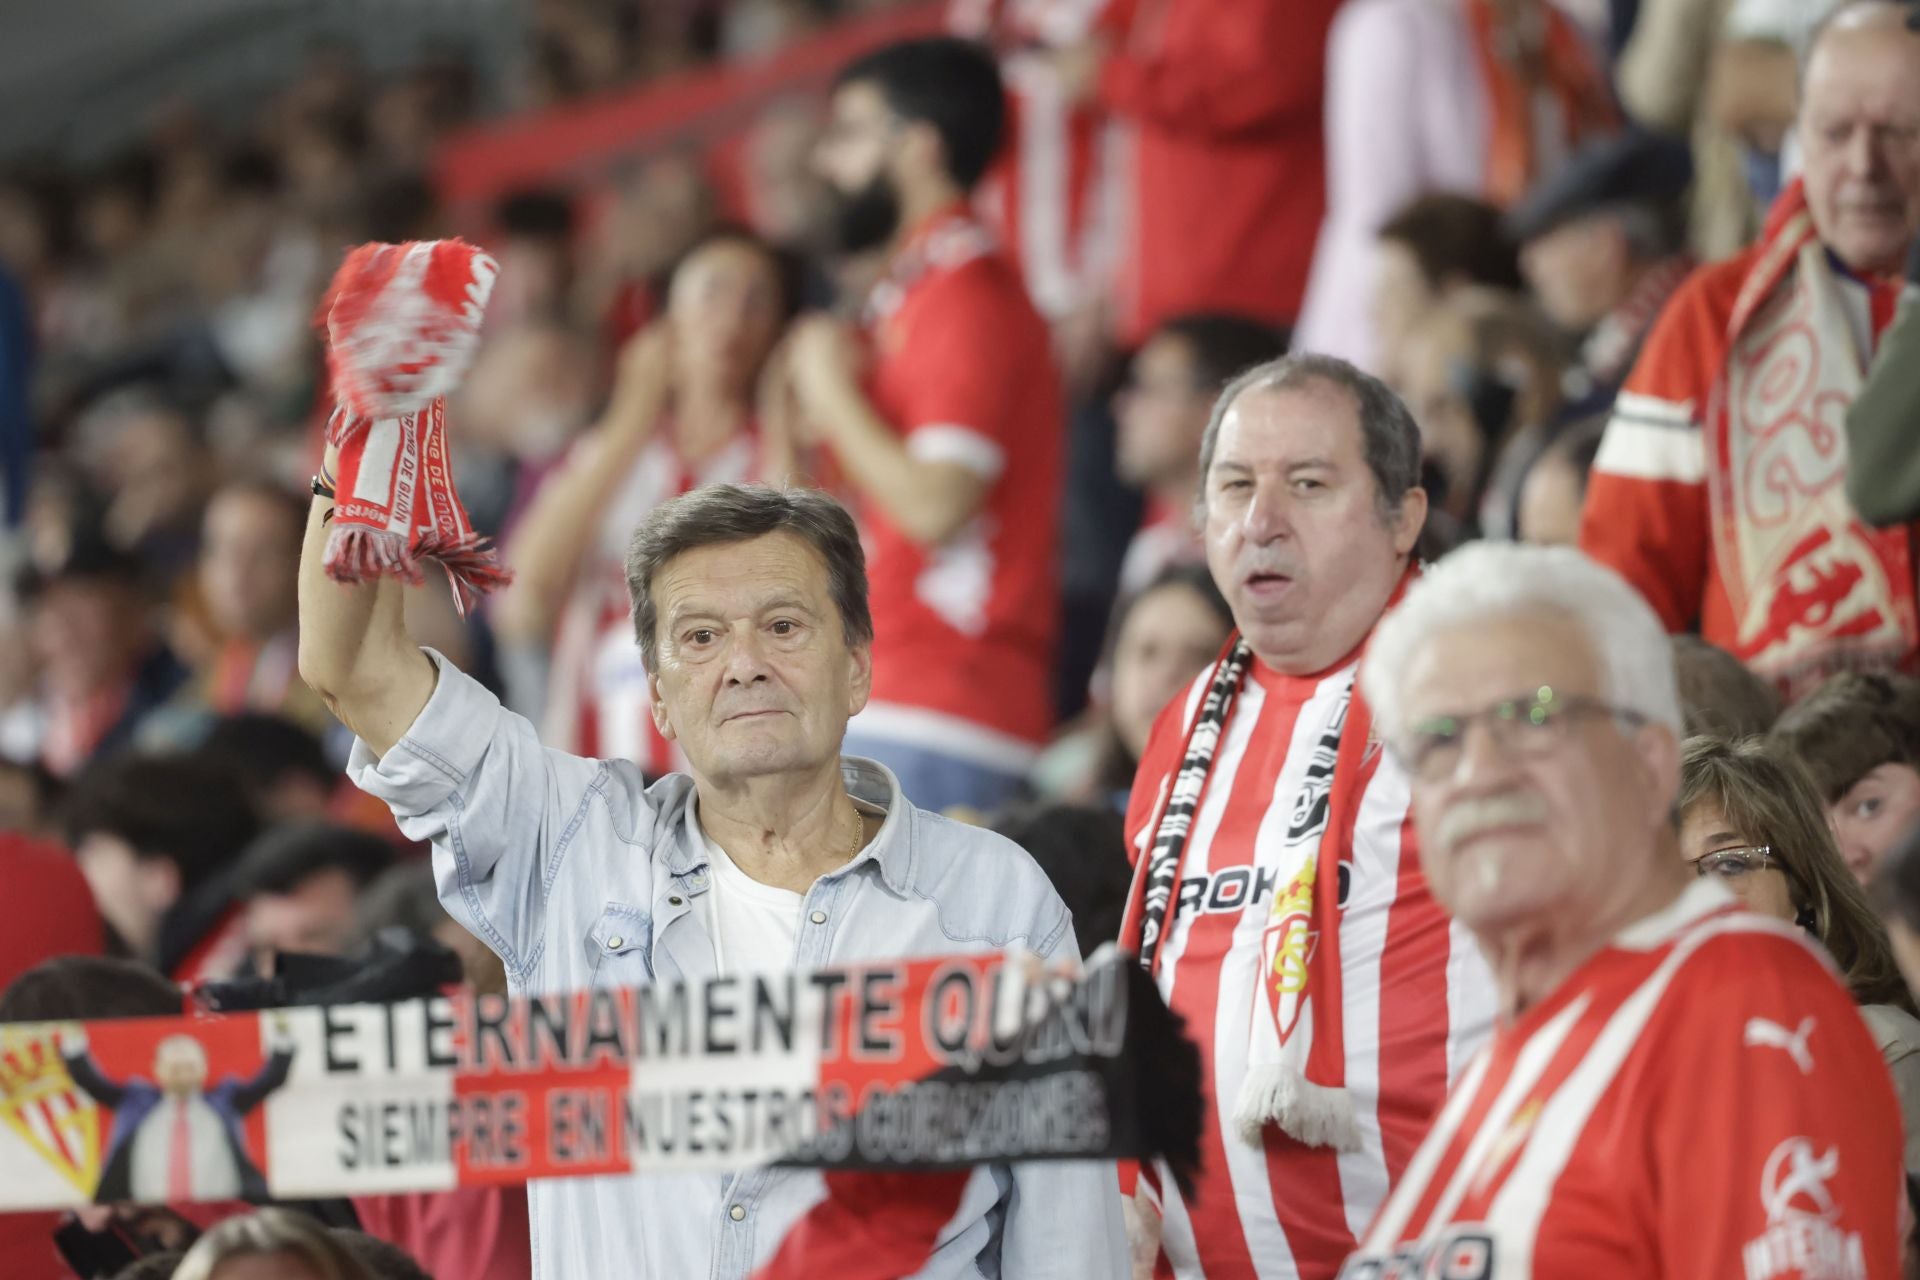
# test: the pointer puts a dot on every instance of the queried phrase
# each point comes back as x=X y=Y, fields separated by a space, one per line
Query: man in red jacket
x=1223 y=101
x=1720 y=487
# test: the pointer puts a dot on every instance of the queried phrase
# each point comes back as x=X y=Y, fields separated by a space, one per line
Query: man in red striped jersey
x=1674 y=1087
x=1277 y=897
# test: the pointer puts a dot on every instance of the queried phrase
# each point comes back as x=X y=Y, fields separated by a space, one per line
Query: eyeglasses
x=1527 y=726
x=1735 y=864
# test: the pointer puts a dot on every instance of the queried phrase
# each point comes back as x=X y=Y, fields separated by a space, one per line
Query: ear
x=1410 y=520
x=861 y=686
x=658 y=707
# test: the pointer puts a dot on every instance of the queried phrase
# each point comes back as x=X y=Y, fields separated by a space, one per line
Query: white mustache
x=1471 y=817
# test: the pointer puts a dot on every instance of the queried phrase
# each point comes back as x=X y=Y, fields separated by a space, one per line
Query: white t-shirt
x=752 y=925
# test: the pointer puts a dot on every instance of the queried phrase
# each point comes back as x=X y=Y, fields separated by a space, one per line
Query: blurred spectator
x=1483 y=378
x=153 y=836
x=1162 y=412
x=1083 y=850
x=786 y=202
x=1859 y=738
x=102 y=668
x=1749 y=816
x=1161 y=637
x=1895 y=893
x=1048 y=196
x=29 y=796
x=299 y=886
x=384 y=1261
x=1662 y=76
x=1482 y=97
x=404 y=898
x=249 y=559
x=270 y=1242
x=1602 y=247
x=1752 y=364
x=682 y=414
x=1555 y=488
x=658 y=213
x=50 y=909
x=1222 y=103
x=1430 y=252
x=953 y=444
x=146 y=455
x=155 y=1266
x=282 y=766
x=1718 y=696
x=536 y=258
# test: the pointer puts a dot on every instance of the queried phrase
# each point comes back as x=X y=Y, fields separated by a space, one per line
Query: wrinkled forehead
x=740 y=578
x=1866 y=63
x=1313 y=420
x=1466 y=664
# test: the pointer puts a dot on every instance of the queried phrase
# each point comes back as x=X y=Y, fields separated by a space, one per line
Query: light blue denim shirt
x=577 y=875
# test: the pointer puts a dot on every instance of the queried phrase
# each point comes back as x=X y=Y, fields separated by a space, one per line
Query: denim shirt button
x=736 y=1213
x=674 y=901
x=818 y=917
x=613 y=943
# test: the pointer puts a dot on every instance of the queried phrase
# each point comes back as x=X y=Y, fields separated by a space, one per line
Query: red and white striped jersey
x=597 y=700
x=1051 y=197
x=1701 y=1099
x=1418 y=999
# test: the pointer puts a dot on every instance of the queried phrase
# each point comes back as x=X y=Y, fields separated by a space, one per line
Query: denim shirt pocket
x=617 y=946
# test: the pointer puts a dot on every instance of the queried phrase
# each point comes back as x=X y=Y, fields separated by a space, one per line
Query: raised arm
x=354 y=648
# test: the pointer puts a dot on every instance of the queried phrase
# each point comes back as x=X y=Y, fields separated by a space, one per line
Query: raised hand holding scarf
x=402 y=324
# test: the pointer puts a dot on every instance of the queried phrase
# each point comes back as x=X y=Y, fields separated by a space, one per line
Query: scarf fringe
x=1315 y=1114
x=360 y=553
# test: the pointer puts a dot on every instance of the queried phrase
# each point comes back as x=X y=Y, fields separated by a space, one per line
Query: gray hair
x=270 y=1231
x=1389 y=437
x=724 y=513
x=1486 y=580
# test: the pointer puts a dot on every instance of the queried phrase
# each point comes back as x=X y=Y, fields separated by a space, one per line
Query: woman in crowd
x=682 y=415
x=273 y=1244
x=1859 y=738
x=1160 y=639
x=1750 y=817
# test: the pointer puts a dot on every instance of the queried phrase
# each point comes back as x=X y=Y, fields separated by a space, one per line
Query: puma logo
x=1763 y=1033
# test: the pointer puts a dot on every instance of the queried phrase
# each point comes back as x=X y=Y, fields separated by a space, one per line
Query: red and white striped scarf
x=402 y=324
x=1815 y=588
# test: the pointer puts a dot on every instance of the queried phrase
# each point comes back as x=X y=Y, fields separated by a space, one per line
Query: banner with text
x=920 y=1064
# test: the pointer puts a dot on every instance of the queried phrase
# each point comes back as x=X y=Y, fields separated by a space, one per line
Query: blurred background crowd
x=1486 y=202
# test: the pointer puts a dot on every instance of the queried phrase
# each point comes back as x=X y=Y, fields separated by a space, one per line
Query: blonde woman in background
x=1750 y=817
x=271 y=1244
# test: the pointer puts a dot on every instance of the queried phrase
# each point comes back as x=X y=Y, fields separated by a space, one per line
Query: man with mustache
x=951 y=439
x=1720 y=490
x=1277 y=897
x=1674 y=1087
x=778 y=853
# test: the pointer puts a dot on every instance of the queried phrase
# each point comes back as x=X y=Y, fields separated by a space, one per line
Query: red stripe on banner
x=581 y=141
x=1413 y=1010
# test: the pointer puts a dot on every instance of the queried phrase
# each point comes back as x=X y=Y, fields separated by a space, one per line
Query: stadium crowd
x=1424 y=433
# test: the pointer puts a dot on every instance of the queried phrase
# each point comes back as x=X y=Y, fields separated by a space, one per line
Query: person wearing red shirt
x=1221 y=100
x=951 y=441
x=1674 y=1087
x=1720 y=489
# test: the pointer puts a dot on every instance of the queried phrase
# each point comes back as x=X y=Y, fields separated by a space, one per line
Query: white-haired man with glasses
x=1674 y=1087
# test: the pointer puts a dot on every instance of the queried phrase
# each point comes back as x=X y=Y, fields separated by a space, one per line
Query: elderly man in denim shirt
x=751 y=613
